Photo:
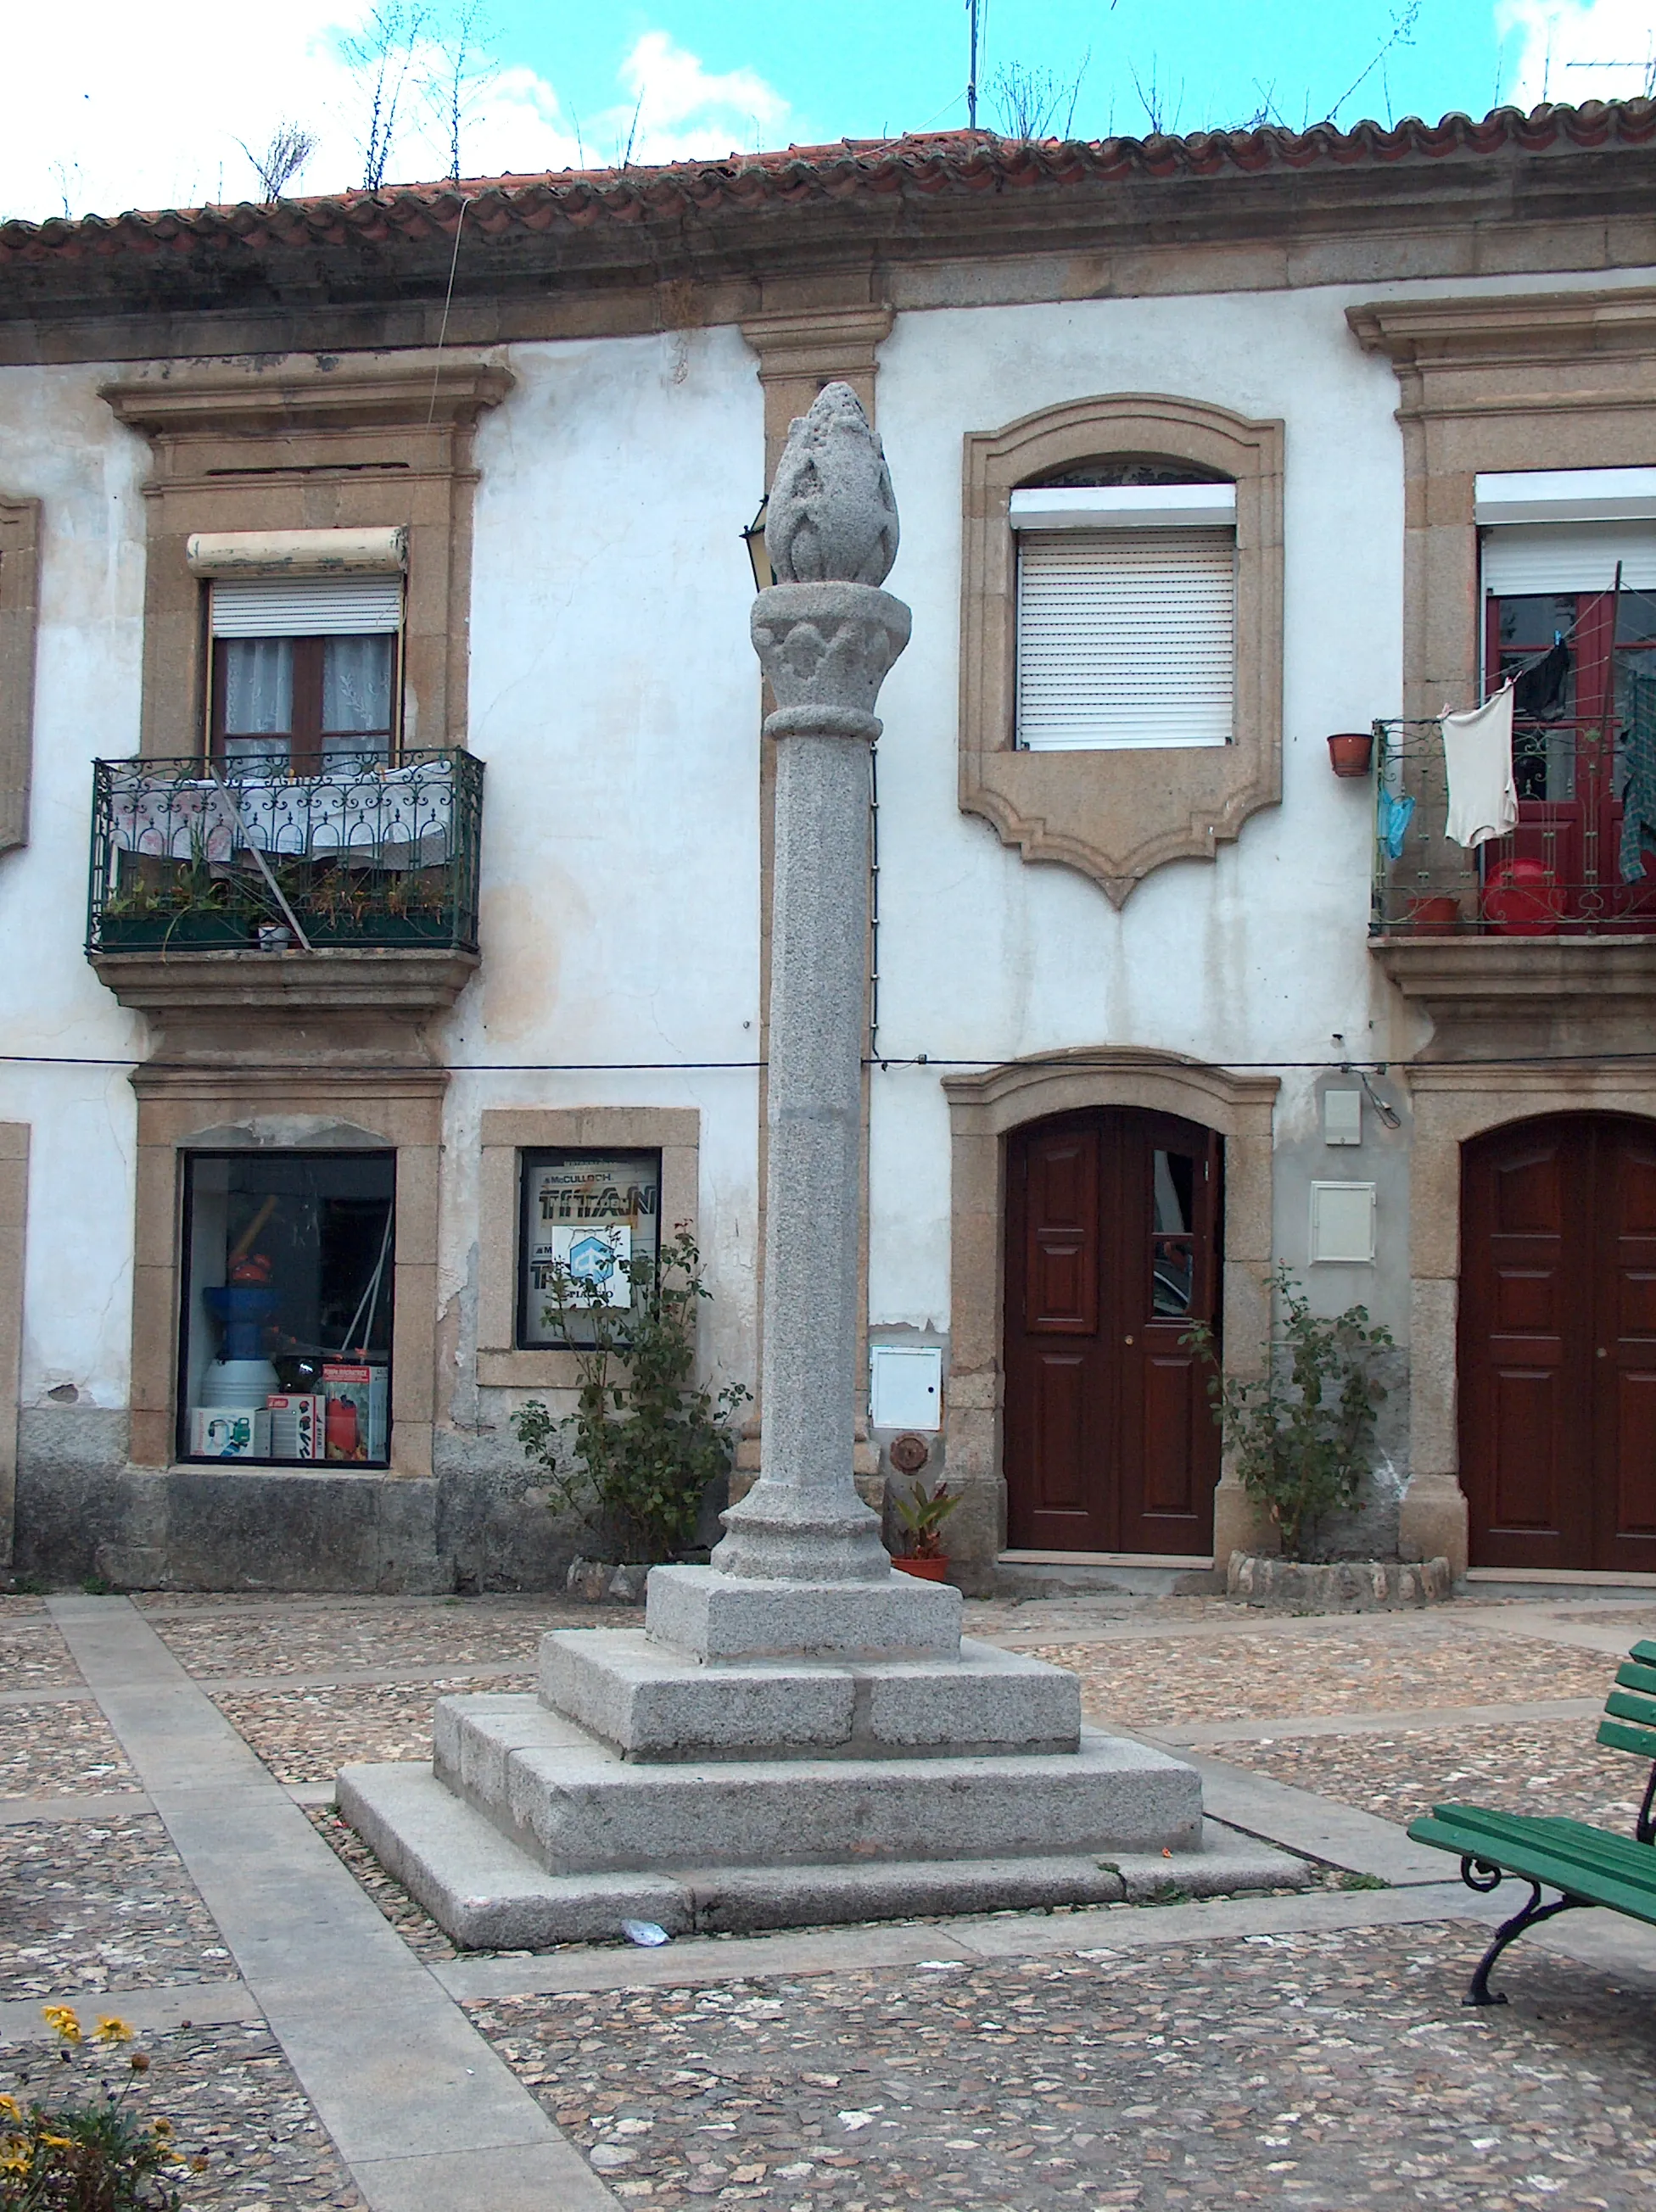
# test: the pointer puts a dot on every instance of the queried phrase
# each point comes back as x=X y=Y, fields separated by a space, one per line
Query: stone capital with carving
x=826 y=649
x=832 y=517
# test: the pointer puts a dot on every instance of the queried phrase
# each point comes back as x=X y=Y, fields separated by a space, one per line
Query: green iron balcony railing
x=243 y=855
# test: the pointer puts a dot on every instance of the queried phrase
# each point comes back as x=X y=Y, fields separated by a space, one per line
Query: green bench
x=1585 y=1865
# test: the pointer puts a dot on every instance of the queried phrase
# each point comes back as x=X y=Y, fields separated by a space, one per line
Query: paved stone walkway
x=165 y=1851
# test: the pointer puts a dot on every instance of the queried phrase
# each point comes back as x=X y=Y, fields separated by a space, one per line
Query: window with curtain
x=305 y=670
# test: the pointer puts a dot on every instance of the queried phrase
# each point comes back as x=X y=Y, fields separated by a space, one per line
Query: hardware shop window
x=590 y=1222
x=285 y=1331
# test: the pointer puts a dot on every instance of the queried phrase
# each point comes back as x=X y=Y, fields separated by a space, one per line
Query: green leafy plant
x=1302 y=1434
x=923 y=1514
x=88 y=2155
x=645 y=1442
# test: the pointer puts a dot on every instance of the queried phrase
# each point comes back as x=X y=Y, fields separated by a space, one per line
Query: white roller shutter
x=1522 y=558
x=1126 y=638
x=306 y=606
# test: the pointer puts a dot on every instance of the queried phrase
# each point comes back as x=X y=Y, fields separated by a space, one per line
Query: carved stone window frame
x=1115 y=815
x=20 y=604
x=304 y=442
x=508 y=1132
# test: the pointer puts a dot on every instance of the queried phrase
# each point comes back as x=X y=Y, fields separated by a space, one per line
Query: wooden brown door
x=1111 y=1219
x=1557 y=1361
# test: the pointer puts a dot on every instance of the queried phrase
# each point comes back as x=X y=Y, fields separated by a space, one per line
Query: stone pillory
x=797 y=1733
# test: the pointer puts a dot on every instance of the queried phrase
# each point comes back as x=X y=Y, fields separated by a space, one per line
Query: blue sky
x=117 y=117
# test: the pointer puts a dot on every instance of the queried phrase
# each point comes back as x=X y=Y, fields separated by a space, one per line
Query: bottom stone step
x=486 y=1894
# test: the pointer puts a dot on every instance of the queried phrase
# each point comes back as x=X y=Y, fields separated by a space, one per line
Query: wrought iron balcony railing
x=1559 y=872
x=187 y=855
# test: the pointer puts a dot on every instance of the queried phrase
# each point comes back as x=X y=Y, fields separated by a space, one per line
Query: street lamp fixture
x=753 y=538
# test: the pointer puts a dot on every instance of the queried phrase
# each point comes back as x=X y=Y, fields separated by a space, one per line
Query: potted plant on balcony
x=923 y=1514
x=193 y=907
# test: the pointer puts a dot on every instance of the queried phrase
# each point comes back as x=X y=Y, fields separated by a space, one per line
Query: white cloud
x=1560 y=49
x=118 y=118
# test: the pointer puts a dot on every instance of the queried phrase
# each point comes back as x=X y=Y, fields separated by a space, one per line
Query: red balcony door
x=1567 y=751
x=1111 y=1237
x=1557 y=1357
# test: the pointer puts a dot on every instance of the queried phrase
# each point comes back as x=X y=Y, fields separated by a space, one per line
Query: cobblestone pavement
x=219 y=1636
x=230 y=2096
x=1374 y=1665
x=1527 y=1766
x=97 y=1905
x=1311 y=2069
x=1319 y=2071
x=52 y=1747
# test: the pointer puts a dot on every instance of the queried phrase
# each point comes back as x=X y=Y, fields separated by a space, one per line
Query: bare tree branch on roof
x=379 y=57
x=462 y=70
x=1036 y=102
x=290 y=148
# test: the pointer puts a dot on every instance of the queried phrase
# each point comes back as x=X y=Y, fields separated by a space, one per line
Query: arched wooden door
x=1557 y=1353
x=1112 y=1252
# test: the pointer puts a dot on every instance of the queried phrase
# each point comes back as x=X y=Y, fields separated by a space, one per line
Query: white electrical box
x=1342 y=1117
x=1342 y=1221
x=905 y=1387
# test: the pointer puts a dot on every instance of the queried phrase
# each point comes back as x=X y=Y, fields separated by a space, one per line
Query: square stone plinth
x=577 y=1807
x=651 y=1701
x=726 y=1617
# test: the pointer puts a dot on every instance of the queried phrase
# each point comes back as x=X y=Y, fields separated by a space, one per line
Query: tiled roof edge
x=933 y=164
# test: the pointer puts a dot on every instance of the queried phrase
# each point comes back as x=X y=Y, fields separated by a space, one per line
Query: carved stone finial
x=832 y=517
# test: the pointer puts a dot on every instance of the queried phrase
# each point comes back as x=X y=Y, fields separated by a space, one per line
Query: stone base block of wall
x=1336 y=1585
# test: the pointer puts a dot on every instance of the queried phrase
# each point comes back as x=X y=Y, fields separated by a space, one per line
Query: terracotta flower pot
x=1436 y=915
x=1349 y=751
x=925 y=1570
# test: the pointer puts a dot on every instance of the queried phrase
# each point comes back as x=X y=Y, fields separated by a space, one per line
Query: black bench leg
x=1477 y=1874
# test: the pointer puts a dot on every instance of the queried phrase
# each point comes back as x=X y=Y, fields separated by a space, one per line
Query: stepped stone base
x=579 y=1808
x=720 y=1617
x=650 y=1702
x=486 y=1893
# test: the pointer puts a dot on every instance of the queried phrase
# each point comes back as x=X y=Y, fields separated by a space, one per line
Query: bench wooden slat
x=1631 y=1677
x=1560 y=1831
x=1618 y=1735
x=1623 y=1705
x=1539 y=1858
x=1645 y=1651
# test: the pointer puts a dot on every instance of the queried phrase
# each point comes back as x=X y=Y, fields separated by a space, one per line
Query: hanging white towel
x=1477 y=755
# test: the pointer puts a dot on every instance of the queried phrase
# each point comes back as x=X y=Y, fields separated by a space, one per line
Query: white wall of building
x=1258 y=955
x=59 y=444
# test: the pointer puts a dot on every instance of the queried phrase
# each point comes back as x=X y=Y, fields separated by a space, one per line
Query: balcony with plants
x=241 y=864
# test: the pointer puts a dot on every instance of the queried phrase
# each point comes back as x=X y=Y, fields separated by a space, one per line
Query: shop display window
x=286 y=1334
x=590 y=1224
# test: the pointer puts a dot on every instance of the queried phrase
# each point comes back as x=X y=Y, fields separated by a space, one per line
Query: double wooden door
x=1111 y=1253
x=1557 y=1356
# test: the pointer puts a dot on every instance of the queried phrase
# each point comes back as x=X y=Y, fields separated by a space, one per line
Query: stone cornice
x=1528 y=328
x=450 y=390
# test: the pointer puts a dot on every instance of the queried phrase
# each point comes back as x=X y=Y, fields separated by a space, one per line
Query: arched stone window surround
x=1452 y=1106
x=983 y=1110
x=1116 y=815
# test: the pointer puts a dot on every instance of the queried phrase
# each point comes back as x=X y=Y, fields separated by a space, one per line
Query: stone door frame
x=983 y=1110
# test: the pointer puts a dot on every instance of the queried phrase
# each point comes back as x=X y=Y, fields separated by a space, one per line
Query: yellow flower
x=62 y=2020
x=162 y=2127
x=113 y=2030
x=58 y=2142
x=10 y=2105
